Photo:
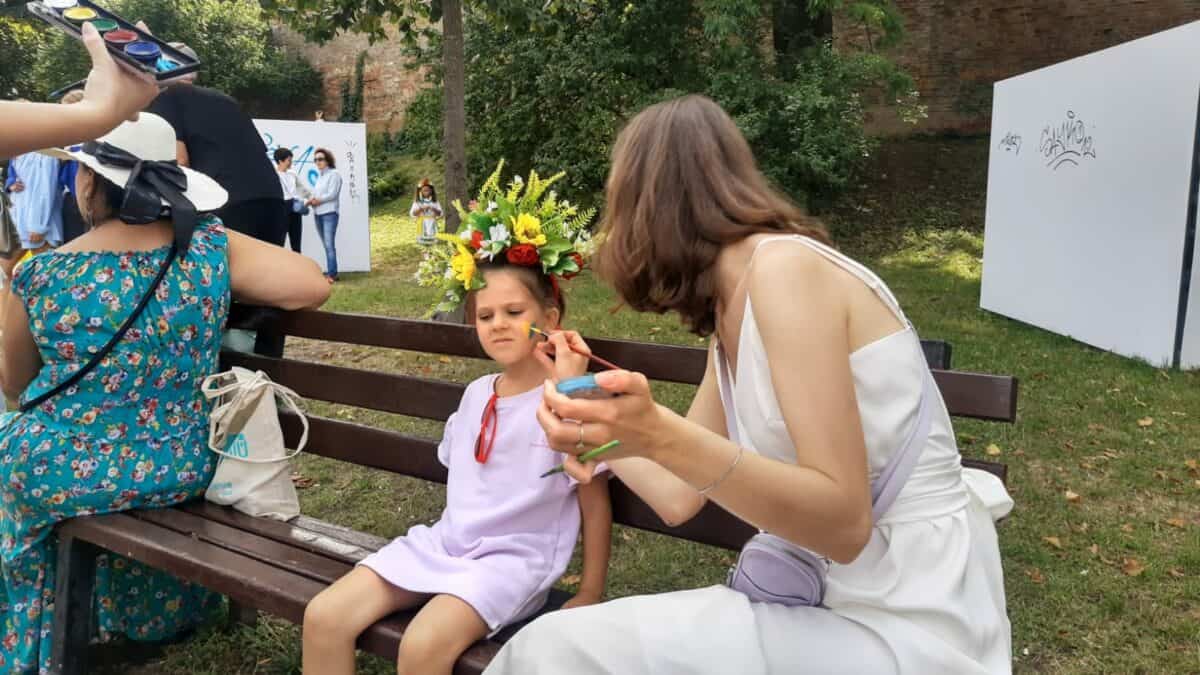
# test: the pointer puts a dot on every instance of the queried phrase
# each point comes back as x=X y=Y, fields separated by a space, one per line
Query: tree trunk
x=455 y=118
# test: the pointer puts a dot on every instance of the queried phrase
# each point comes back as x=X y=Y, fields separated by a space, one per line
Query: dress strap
x=865 y=275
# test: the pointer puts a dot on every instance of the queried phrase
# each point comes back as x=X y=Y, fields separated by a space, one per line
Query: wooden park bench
x=269 y=566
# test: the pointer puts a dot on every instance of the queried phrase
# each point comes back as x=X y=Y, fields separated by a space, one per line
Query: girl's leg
x=334 y=619
x=438 y=635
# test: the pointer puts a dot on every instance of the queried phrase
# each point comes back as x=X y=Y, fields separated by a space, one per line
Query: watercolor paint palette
x=131 y=47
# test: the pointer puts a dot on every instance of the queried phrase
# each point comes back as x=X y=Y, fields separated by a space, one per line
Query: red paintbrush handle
x=597 y=359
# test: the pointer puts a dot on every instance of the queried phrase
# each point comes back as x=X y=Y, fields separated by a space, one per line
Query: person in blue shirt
x=35 y=187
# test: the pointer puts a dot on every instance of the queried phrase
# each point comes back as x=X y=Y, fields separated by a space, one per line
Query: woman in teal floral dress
x=132 y=432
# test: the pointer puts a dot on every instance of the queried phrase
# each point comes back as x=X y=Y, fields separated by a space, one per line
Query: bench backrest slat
x=669 y=363
x=989 y=397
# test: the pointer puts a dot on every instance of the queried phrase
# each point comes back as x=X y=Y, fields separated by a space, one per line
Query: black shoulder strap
x=112 y=342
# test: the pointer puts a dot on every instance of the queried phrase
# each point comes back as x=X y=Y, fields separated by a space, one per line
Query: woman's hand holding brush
x=563 y=353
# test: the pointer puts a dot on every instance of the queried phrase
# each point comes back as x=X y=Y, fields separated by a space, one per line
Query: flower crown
x=525 y=225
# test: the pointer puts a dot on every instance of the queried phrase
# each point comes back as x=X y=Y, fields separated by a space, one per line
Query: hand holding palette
x=131 y=47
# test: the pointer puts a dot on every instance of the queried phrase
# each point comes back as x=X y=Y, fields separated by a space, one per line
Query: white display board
x=1090 y=178
x=348 y=143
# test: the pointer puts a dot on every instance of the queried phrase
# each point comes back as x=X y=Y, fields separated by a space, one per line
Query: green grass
x=1074 y=606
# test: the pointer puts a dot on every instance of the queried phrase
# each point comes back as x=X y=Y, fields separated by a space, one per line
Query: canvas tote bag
x=254 y=472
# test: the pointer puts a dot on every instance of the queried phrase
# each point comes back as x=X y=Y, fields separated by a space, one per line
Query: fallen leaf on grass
x=1053 y=541
x=444 y=359
x=1132 y=567
x=1095 y=549
x=1145 y=422
x=1035 y=575
x=1161 y=474
x=302 y=482
x=1177 y=522
x=1080 y=528
x=571 y=579
x=993 y=450
x=1127 y=527
x=1176 y=572
x=1096 y=427
x=1071 y=496
x=1192 y=465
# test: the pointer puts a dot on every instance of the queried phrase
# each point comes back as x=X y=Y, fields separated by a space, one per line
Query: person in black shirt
x=218 y=139
x=215 y=137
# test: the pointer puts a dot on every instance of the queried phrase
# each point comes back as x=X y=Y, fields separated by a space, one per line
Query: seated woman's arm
x=21 y=361
x=670 y=496
x=265 y=274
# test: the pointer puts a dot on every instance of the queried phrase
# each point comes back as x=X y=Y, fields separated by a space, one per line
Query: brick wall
x=388 y=85
x=956 y=49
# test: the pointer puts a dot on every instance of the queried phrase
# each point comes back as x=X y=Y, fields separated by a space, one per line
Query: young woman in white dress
x=827 y=375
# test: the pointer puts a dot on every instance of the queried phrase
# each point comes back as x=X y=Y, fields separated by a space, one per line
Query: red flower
x=476 y=240
x=525 y=255
x=578 y=261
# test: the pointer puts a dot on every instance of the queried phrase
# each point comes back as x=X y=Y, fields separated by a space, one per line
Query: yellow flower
x=527 y=228
x=463 y=264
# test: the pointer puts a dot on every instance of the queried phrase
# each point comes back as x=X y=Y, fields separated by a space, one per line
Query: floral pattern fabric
x=131 y=434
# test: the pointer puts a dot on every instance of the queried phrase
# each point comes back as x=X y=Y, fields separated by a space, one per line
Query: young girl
x=425 y=205
x=506 y=534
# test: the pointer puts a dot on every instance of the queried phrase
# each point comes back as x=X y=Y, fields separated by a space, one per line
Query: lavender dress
x=506 y=535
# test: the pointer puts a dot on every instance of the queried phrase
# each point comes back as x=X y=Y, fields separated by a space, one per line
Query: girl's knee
x=425 y=649
x=324 y=617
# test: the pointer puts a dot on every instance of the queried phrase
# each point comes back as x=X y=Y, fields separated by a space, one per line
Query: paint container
x=60 y=5
x=80 y=15
x=105 y=25
x=120 y=37
x=146 y=53
x=165 y=65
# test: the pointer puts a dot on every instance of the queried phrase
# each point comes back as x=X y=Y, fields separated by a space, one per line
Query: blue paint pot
x=146 y=53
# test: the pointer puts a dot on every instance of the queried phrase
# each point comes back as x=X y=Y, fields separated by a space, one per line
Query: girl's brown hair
x=543 y=289
x=683 y=184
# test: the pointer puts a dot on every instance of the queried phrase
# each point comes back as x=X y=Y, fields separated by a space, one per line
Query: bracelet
x=709 y=488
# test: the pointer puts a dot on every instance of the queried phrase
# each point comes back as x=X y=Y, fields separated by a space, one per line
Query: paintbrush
x=534 y=331
x=585 y=457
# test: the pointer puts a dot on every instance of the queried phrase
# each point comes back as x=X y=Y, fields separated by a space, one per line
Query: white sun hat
x=150 y=139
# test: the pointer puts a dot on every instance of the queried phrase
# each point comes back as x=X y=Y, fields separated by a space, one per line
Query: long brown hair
x=683 y=184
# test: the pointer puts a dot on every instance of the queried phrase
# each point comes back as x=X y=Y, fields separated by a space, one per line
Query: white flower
x=498 y=233
x=449 y=273
x=492 y=206
x=465 y=235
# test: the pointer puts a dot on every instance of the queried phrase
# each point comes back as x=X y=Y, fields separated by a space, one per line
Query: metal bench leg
x=73 y=606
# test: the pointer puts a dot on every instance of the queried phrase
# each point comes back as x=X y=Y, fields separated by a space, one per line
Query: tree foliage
x=241 y=56
x=19 y=40
x=555 y=98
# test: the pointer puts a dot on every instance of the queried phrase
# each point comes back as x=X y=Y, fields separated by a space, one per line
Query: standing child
x=507 y=534
x=425 y=206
